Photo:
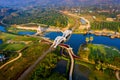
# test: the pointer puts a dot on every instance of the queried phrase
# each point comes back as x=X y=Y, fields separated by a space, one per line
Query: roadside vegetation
x=44 y=69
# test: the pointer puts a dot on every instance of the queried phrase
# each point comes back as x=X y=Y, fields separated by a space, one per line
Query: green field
x=97 y=58
x=101 y=53
x=29 y=56
x=7 y=36
x=11 y=47
x=15 y=30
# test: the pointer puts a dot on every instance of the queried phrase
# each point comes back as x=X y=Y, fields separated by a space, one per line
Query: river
x=77 y=39
x=2 y=29
x=1 y=41
x=26 y=33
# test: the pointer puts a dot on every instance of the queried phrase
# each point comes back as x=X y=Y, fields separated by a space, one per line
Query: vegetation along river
x=76 y=39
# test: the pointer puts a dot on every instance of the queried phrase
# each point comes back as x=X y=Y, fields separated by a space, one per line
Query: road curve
x=2 y=22
x=20 y=54
x=88 y=22
x=22 y=77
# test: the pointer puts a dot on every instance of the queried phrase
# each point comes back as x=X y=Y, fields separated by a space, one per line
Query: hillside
x=21 y=3
x=48 y=17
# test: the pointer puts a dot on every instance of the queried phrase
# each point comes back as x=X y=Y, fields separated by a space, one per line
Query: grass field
x=13 y=70
x=15 y=30
x=100 y=56
x=7 y=36
x=11 y=47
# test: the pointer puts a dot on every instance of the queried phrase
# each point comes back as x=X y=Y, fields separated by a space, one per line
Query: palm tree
x=87 y=39
x=91 y=38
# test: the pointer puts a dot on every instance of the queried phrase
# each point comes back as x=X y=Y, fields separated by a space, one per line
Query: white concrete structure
x=67 y=33
x=39 y=30
x=57 y=41
x=62 y=38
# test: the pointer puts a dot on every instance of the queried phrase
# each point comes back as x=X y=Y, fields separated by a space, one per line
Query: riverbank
x=49 y=29
x=111 y=34
x=108 y=33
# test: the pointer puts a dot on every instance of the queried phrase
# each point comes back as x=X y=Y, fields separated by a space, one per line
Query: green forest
x=43 y=16
x=96 y=25
x=100 y=53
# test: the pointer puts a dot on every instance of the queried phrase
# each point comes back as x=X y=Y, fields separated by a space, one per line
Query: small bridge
x=39 y=31
x=71 y=51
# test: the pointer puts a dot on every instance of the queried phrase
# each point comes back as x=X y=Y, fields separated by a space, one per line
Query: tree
x=91 y=38
x=98 y=67
x=87 y=39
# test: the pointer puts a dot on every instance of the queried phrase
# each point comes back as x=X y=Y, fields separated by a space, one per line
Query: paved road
x=117 y=75
x=88 y=23
x=71 y=54
x=20 y=54
x=75 y=19
x=72 y=63
x=22 y=77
